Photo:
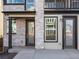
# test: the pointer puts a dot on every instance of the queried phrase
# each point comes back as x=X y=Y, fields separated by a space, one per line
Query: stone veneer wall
x=13 y=8
x=39 y=24
x=18 y=39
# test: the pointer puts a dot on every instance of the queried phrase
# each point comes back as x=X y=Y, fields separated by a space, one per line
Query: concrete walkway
x=48 y=54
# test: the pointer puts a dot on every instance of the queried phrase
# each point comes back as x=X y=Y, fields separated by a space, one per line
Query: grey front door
x=70 y=28
x=30 y=33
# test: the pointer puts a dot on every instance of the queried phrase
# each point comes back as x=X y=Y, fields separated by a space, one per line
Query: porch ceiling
x=22 y=16
x=20 y=13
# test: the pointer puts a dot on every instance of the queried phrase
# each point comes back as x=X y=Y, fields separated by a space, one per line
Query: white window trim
x=47 y=17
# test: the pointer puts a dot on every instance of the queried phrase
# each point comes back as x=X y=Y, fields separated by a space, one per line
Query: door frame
x=29 y=19
x=75 y=35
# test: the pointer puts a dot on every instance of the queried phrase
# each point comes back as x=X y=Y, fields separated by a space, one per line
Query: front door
x=30 y=34
x=70 y=32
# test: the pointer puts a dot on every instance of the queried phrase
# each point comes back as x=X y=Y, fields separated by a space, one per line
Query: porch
x=21 y=32
x=17 y=33
x=19 y=49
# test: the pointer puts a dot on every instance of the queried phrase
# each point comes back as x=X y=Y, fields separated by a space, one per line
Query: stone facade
x=13 y=7
x=39 y=24
x=18 y=39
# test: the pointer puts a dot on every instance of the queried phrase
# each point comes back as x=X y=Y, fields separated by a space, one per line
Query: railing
x=68 y=4
x=54 y=5
x=75 y=5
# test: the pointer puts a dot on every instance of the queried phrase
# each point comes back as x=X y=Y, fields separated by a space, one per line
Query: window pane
x=30 y=5
x=15 y=1
x=19 y=1
x=9 y=1
x=13 y=26
x=29 y=1
x=51 y=29
x=50 y=34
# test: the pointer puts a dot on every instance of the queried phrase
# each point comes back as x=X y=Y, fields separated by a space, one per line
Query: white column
x=39 y=24
x=78 y=32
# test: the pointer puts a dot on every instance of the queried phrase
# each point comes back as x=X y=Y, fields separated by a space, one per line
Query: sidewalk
x=48 y=54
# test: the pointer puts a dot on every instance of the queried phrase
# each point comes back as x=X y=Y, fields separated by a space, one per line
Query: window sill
x=51 y=41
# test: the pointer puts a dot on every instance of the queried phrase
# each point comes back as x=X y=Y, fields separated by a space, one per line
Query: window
x=13 y=26
x=30 y=5
x=50 y=28
x=15 y=1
